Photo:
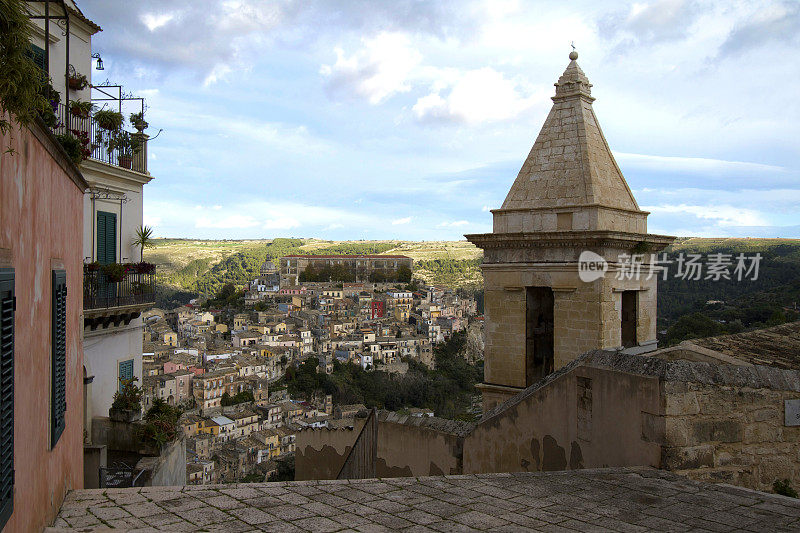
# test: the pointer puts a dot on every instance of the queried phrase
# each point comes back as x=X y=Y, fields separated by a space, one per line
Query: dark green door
x=106 y=253
x=106 y=237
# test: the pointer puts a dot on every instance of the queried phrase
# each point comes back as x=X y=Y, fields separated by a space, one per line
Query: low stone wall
x=730 y=435
x=169 y=468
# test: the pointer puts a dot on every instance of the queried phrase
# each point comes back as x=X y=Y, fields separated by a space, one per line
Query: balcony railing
x=69 y=123
x=134 y=289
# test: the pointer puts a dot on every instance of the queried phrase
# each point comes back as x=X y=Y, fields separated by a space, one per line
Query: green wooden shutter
x=58 y=371
x=38 y=56
x=8 y=304
x=125 y=371
x=106 y=237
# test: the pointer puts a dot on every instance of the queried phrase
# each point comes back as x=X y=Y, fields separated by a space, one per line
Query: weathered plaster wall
x=41 y=216
x=576 y=419
x=320 y=453
x=409 y=446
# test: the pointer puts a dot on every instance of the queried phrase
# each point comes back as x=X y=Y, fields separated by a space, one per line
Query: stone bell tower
x=569 y=198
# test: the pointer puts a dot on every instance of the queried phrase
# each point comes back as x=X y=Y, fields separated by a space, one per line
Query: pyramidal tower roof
x=570 y=164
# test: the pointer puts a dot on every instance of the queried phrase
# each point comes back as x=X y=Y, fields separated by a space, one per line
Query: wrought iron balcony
x=106 y=301
x=97 y=140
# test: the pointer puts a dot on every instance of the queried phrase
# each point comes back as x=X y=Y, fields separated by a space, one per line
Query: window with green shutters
x=106 y=237
x=125 y=371
x=8 y=304
x=58 y=367
x=38 y=57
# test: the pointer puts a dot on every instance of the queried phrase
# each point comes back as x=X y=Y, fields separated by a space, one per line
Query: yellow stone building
x=569 y=208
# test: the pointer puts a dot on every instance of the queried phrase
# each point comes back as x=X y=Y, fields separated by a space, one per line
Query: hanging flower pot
x=109 y=120
x=125 y=161
x=77 y=82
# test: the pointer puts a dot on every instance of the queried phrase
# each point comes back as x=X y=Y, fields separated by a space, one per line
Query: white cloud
x=154 y=21
x=694 y=164
x=217 y=207
x=227 y=222
x=219 y=72
x=377 y=71
x=398 y=221
x=281 y=223
x=453 y=224
x=333 y=226
x=724 y=215
x=486 y=209
x=481 y=95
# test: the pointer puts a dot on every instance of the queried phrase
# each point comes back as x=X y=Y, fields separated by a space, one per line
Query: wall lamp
x=99 y=61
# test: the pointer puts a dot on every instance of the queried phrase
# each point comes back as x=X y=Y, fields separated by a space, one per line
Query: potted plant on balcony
x=126 y=144
x=114 y=272
x=138 y=121
x=80 y=109
x=109 y=120
x=127 y=406
x=77 y=82
x=143 y=239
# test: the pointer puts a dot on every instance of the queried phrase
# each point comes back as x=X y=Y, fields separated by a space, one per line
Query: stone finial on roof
x=573 y=81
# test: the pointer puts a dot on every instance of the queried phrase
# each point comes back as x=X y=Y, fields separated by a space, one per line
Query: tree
x=285 y=469
x=404 y=274
x=143 y=239
x=22 y=81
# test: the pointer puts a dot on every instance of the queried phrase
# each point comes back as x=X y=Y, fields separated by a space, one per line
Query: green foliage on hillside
x=448 y=389
x=450 y=272
x=701 y=308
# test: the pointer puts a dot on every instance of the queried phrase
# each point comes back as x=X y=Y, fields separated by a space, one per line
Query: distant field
x=202 y=266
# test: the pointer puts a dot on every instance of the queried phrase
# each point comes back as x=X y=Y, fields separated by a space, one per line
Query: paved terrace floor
x=583 y=500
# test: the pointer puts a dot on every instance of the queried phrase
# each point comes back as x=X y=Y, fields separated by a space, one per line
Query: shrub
x=72 y=146
x=161 y=423
x=784 y=487
x=129 y=397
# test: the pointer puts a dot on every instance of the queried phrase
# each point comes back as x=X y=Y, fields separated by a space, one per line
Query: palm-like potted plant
x=127 y=406
x=143 y=239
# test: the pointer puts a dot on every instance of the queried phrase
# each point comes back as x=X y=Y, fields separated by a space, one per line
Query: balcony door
x=106 y=253
x=106 y=237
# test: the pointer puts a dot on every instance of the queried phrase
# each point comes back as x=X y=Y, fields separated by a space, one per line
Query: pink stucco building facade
x=41 y=221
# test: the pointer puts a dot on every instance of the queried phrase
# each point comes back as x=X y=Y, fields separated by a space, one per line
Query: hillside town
x=224 y=367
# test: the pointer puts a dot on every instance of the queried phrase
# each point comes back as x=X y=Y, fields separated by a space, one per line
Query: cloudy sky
x=407 y=119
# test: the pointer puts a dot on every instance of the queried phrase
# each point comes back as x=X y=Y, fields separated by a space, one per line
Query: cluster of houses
x=218 y=364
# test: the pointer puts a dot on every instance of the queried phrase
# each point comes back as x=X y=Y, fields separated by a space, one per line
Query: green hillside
x=187 y=268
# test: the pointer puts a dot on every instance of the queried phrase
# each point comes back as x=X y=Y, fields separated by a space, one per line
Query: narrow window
x=125 y=371
x=7 y=307
x=539 y=322
x=58 y=367
x=629 y=313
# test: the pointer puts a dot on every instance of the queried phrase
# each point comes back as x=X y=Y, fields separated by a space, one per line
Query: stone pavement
x=612 y=499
